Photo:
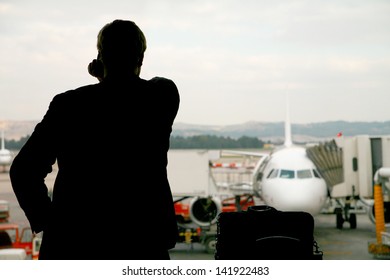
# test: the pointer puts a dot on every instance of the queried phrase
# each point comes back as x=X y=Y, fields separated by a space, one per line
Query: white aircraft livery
x=5 y=155
x=287 y=179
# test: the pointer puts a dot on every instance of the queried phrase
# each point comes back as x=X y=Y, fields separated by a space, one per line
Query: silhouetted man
x=111 y=198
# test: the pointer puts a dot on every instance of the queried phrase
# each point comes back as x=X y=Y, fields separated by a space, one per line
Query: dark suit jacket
x=111 y=198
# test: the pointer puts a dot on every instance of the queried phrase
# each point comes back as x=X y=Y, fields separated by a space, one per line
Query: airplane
x=286 y=178
x=5 y=155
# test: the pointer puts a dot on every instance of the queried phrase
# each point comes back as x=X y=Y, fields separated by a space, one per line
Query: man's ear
x=96 y=69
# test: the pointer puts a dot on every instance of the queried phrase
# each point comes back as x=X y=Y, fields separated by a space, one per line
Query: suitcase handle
x=260 y=208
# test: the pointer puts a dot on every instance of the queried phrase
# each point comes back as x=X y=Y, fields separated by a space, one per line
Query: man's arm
x=28 y=171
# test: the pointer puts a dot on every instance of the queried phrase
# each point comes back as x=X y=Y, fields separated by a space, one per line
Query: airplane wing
x=243 y=153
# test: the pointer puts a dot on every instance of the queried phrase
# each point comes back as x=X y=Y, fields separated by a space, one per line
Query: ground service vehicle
x=14 y=237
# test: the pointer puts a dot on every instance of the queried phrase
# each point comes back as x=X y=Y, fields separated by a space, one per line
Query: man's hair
x=121 y=44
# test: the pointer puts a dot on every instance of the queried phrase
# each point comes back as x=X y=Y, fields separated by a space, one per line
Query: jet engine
x=204 y=210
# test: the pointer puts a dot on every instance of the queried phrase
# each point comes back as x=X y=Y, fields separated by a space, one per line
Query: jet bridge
x=348 y=165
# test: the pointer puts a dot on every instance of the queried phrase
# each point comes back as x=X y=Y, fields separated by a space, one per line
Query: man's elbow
x=15 y=173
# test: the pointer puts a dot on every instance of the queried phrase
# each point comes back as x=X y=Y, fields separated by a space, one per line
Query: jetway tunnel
x=348 y=165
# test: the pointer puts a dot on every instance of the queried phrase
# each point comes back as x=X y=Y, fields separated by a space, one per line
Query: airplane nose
x=301 y=196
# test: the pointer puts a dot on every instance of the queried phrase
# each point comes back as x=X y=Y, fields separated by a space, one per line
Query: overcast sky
x=232 y=61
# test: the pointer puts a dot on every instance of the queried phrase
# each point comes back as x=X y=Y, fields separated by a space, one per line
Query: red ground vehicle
x=11 y=236
x=182 y=211
x=238 y=203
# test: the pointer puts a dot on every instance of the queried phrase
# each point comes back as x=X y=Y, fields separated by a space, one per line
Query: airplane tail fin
x=287 y=125
x=2 y=140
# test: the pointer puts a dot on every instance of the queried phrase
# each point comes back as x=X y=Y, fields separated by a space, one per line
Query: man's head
x=121 y=45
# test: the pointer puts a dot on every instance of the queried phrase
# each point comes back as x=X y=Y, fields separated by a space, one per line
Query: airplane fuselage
x=5 y=157
x=291 y=182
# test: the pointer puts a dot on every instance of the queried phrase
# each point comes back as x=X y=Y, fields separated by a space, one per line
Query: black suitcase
x=264 y=233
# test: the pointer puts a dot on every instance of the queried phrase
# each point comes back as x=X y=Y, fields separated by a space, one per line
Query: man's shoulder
x=161 y=81
x=80 y=91
x=161 y=84
x=85 y=88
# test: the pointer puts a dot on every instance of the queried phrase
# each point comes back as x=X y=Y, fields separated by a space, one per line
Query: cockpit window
x=304 y=174
x=273 y=174
x=287 y=174
x=316 y=174
x=290 y=174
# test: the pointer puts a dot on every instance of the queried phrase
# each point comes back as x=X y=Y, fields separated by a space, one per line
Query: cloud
x=232 y=62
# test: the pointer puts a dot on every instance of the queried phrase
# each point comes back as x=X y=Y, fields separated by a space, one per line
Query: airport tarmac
x=336 y=244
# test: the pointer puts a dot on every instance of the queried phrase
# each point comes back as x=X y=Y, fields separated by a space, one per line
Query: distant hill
x=273 y=131
x=14 y=130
